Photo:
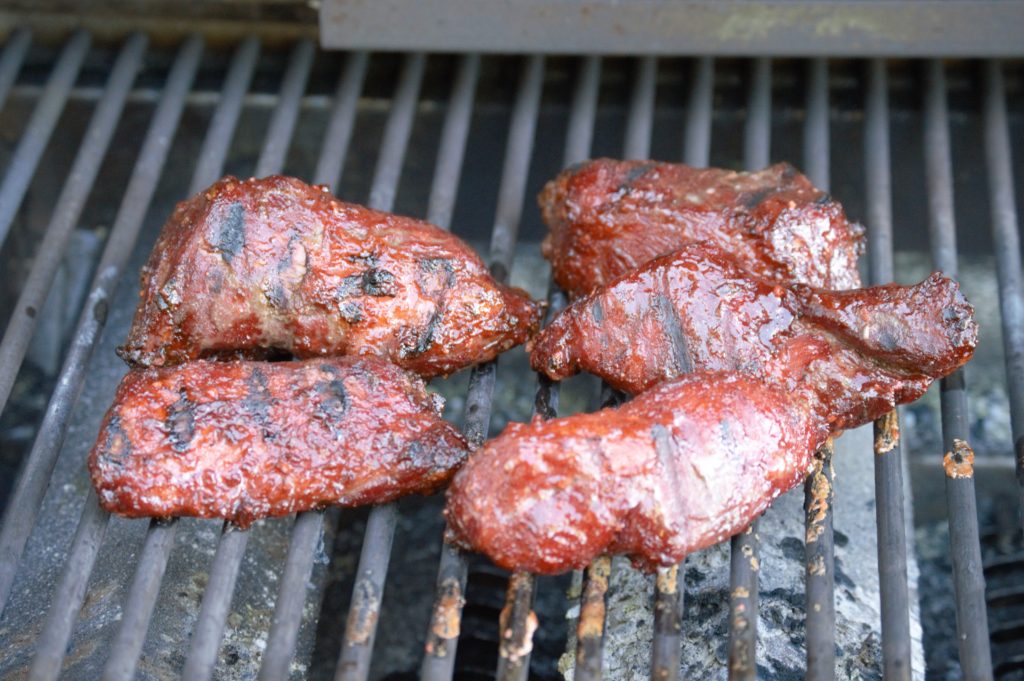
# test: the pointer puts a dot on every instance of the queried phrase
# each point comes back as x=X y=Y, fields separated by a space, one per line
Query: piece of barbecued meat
x=244 y=440
x=698 y=309
x=246 y=268
x=679 y=468
x=608 y=217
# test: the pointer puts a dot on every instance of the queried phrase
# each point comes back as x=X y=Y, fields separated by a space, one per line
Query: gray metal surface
x=690 y=27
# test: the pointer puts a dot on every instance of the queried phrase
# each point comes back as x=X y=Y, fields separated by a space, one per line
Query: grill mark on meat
x=823 y=199
x=788 y=171
x=334 y=405
x=425 y=339
x=673 y=327
x=231 y=238
x=117 y=447
x=432 y=266
x=634 y=174
x=351 y=312
x=377 y=282
x=181 y=422
x=753 y=200
x=597 y=311
x=257 y=402
x=669 y=475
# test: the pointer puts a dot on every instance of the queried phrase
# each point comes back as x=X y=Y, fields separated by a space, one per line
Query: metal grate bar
x=640 y=120
x=368 y=592
x=516 y=625
x=968 y=579
x=744 y=564
x=28 y=494
x=888 y=459
x=93 y=523
x=11 y=60
x=144 y=589
x=40 y=127
x=819 y=547
x=68 y=209
x=227 y=560
x=998 y=152
x=308 y=530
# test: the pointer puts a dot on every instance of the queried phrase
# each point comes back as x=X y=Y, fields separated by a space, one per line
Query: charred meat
x=608 y=217
x=249 y=268
x=679 y=468
x=698 y=309
x=246 y=440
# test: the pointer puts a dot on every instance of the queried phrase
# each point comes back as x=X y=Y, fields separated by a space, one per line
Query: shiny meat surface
x=860 y=351
x=246 y=440
x=250 y=267
x=679 y=468
x=608 y=217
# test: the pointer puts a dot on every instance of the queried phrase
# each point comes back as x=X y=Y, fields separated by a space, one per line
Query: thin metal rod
x=209 y=627
x=152 y=562
x=668 y=625
x=888 y=459
x=68 y=209
x=284 y=628
x=28 y=494
x=819 y=546
x=744 y=565
x=227 y=560
x=998 y=153
x=70 y=592
x=34 y=139
x=293 y=85
x=11 y=60
x=342 y=120
x=580 y=135
x=640 y=119
x=452 y=152
x=224 y=121
x=590 y=627
x=516 y=626
x=308 y=530
x=968 y=578
x=368 y=592
x=697 y=151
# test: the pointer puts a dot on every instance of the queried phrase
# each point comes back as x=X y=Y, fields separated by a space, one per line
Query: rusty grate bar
x=968 y=579
x=745 y=562
x=998 y=153
x=28 y=494
x=361 y=627
x=888 y=458
x=36 y=136
x=818 y=492
x=92 y=525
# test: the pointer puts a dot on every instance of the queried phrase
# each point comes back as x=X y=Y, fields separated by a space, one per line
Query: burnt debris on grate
x=76 y=585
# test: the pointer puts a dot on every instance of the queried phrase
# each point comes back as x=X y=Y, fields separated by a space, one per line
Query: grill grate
x=518 y=621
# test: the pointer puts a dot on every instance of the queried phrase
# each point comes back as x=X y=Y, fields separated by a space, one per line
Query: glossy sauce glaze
x=247 y=268
x=679 y=468
x=607 y=217
x=859 y=352
x=246 y=440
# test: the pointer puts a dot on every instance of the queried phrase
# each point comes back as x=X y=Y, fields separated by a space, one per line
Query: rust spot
x=755 y=564
x=741 y=592
x=817 y=505
x=517 y=644
x=592 y=609
x=362 y=616
x=667 y=579
x=816 y=566
x=887 y=433
x=447 y=618
x=959 y=463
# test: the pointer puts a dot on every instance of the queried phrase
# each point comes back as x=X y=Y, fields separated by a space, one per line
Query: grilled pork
x=608 y=217
x=698 y=309
x=246 y=440
x=247 y=268
x=679 y=468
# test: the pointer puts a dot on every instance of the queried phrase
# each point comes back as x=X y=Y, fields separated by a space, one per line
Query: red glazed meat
x=245 y=269
x=681 y=467
x=246 y=440
x=608 y=217
x=699 y=310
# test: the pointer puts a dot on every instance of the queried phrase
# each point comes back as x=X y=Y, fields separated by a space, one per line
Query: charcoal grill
x=599 y=97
